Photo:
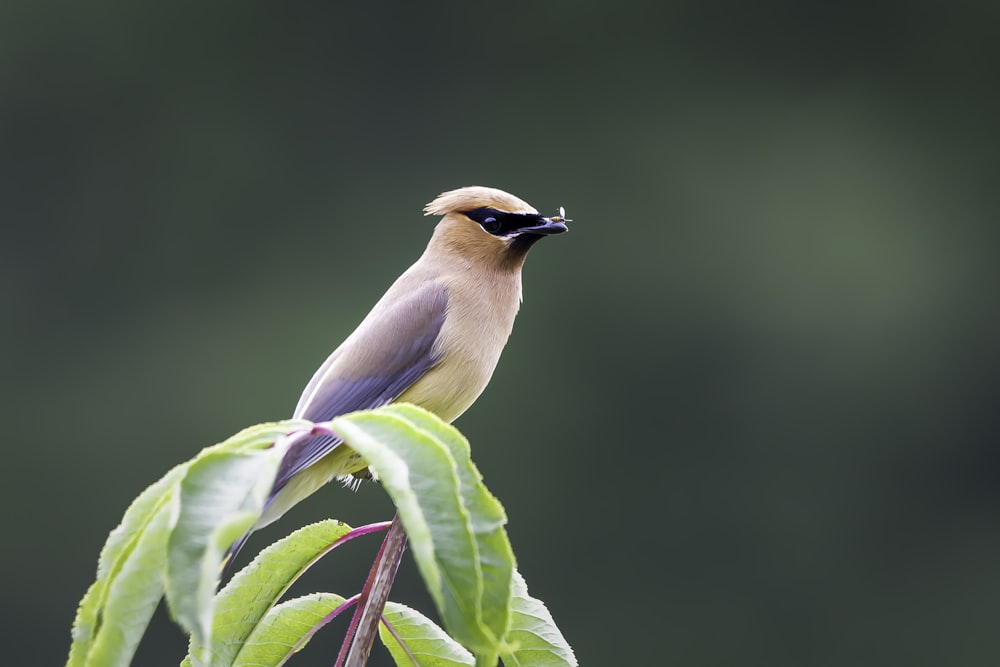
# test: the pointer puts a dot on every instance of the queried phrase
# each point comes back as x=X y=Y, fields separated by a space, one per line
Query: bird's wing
x=385 y=357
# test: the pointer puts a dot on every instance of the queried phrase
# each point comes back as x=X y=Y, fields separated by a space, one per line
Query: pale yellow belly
x=446 y=390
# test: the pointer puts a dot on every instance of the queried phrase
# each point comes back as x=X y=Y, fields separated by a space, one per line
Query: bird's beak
x=549 y=226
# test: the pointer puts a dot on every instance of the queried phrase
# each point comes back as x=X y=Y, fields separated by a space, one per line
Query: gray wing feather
x=414 y=324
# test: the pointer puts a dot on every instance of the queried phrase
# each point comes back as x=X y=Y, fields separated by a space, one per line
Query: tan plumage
x=433 y=339
x=476 y=196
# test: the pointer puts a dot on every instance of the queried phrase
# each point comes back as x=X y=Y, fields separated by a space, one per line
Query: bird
x=433 y=339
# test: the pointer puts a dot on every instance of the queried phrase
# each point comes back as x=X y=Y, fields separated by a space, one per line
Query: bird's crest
x=477 y=196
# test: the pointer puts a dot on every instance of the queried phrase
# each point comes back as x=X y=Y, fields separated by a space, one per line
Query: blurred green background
x=749 y=411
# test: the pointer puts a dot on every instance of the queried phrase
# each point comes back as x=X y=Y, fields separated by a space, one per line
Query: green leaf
x=428 y=644
x=132 y=568
x=172 y=538
x=242 y=604
x=534 y=638
x=116 y=609
x=286 y=629
x=221 y=497
x=455 y=526
x=486 y=515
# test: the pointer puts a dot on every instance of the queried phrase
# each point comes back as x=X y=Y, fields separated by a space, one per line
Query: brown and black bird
x=433 y=339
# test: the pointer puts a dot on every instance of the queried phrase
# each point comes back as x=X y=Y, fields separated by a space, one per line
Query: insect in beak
x=561 y=217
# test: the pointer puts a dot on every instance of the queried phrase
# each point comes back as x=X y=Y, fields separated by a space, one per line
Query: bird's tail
x=227 y=562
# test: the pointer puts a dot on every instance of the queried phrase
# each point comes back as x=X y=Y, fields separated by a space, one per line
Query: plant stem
x=374 y=595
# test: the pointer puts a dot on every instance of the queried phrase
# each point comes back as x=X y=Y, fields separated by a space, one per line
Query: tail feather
x=227 y=562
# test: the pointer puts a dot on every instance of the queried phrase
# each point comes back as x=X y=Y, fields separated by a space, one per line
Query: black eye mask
x=502 y=223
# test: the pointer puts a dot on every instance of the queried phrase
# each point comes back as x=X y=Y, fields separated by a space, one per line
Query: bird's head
x=491 y=222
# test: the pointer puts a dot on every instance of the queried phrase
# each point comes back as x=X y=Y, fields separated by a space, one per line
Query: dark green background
x=748 y=415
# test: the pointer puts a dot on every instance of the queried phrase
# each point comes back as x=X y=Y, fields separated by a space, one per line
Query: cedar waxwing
x=433 y=339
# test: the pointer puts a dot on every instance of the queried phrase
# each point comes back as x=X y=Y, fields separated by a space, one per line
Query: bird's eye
x=492 y=225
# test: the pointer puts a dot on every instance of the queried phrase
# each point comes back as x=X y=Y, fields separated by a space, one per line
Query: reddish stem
x=364 y=624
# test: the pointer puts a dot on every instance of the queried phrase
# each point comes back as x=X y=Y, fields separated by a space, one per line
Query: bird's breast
x=474 y=333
